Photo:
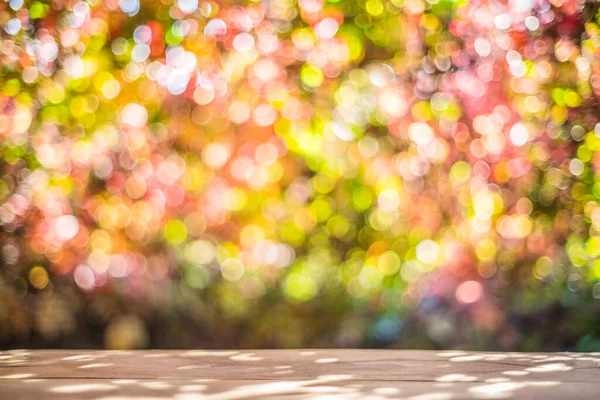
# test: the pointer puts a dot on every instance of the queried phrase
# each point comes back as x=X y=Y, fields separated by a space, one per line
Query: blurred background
x=310 y=173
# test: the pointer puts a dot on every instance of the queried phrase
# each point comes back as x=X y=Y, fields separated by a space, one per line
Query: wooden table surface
x=297 y=374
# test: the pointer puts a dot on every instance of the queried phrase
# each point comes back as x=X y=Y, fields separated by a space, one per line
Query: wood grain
x=297 y=374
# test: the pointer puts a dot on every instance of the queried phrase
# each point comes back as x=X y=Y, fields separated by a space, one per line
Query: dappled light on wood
x=349 y=374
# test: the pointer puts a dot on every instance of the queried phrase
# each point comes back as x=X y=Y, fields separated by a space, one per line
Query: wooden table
x=297 y=374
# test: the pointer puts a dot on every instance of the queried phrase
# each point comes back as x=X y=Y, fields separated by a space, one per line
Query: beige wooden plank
x=376 y=374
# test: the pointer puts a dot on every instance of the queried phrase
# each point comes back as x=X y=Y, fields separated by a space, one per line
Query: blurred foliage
x=283 y=173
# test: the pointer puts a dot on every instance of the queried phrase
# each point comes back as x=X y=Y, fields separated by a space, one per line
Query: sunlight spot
x=386 y=390
x=557 y=367
x=258 y=390
x=97 y=365
x=245 y=357
x=83 y=357
x=326 y=360
x=18 y=376
x=595 y=360
x=90 y=387
x=515 y=373
x=186 y=367
x=156 y=385
x=452 y=354
x=555 y=358
x=124 y=381
x=496 y=390
x=466 y=358
x=14 y=362
x=495 y=357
